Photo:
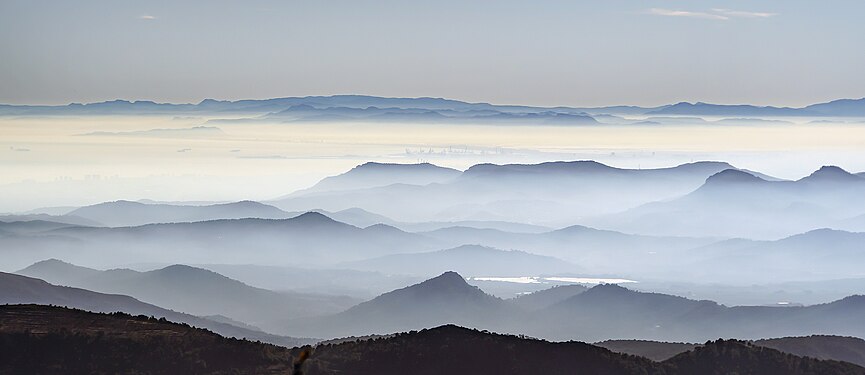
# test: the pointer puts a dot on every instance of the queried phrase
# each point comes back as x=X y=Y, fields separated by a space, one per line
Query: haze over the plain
x=66 y=161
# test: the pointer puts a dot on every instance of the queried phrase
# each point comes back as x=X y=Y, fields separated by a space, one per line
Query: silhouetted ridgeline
x=839 y=348
x=38 y=339
x=455 y=350
x=54 y=340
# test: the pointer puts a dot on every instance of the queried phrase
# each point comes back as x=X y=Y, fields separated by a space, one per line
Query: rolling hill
x=128 y=214
x=16 y=289
x=445 y=299
x=54 y=340
x=735 y=203
x=195 y=291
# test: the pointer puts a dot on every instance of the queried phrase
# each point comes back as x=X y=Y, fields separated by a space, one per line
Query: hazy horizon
x=57 y=164
x=488 y=187
x=550 y=54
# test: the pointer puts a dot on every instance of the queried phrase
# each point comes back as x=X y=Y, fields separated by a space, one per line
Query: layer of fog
x=264 y=160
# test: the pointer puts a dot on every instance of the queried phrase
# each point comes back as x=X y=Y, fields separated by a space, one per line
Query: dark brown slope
x=838 y=348
x=36 y=339
x=848 y=349
x=654 y=350
x=724 y=357
x=54 y=340
x=455 y=350
x=451 y=349
x=17 y=289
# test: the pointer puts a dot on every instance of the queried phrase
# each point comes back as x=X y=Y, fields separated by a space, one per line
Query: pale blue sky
x=578 y=53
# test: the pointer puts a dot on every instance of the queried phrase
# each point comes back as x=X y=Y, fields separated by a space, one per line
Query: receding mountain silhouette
x=841 y=107
x=60 y=219
x=441 y=300
x=126 y=213
x=333 y=281
x=306 y=112
x=738 y=204
x=832 y=174
x=469 y=260
x=545 y=298
x=603 y=312
x=700 y=109
x=30 y=226
x=815 y=255
x=610 y=312
x=371 y=174
x=193 y=290
x=314 y=240
x=55 y=340
x=308 y=239
x=17 y=289
x=548 y=193
x=359 y=217
x=599 y=251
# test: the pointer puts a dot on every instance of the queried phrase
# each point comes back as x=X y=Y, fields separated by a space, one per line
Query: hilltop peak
x=449 y=278
x=447 y=285
x=607 y=288
x=372 y=165
x=732 y=176
x=54 y=266
x=555 y=166
x=831 y=173
x=313 y=216
x=50 y=262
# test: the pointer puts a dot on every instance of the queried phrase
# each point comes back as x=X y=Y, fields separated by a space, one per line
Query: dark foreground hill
x=37 y=339
x=17 y=289
x=451 y=349
x=455 y=350
x=847 y=349
x=654 y=350
x=839 y=348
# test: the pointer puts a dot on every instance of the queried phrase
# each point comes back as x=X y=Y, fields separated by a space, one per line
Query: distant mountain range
x=285 y=241
x=554 y=192
x=561 y=313
x=734 y=203
x=193 y=290
x=17 y=289
x=339 y=107
x=443 y=299
x=603 y=312
x=127 y=214
x=369 y=175
x=656 y=224
x=610 y=311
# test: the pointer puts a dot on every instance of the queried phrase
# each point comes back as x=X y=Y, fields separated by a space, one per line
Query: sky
x=544 y=52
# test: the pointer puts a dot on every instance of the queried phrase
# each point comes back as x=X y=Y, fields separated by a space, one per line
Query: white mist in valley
x=80 y=160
